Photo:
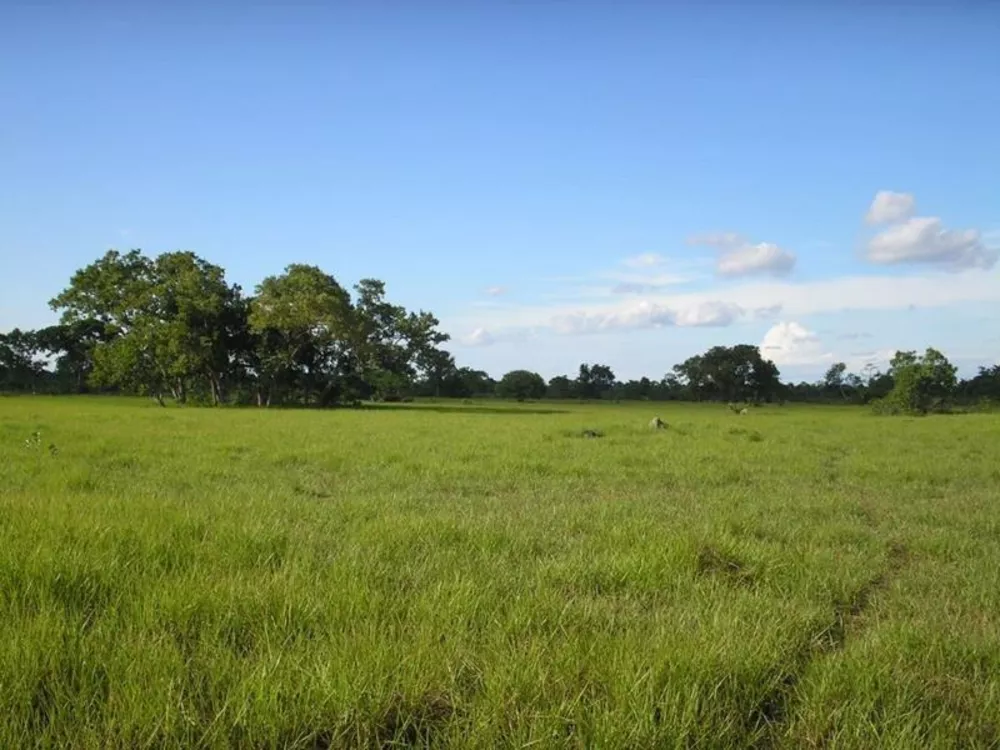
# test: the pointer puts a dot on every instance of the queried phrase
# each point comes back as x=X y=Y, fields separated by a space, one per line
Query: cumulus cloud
x=925 y=240
x=791 y=343
x=764 y=257
x=889 y=206
x=922 y=239
x=739 y=257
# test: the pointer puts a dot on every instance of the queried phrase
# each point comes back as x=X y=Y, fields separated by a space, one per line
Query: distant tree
x=593 y=381
x=561 y=387
x=72 y=346
x=834 y=378
x=985 y=384
x=20 y=368
x=737 y=373
x=472 y=382
x=521 y=385
x=920 y=383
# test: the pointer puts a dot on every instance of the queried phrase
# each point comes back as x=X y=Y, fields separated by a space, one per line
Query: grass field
x=466 y=576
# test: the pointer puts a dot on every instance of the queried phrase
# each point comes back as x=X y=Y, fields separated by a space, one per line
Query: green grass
x=464 y=577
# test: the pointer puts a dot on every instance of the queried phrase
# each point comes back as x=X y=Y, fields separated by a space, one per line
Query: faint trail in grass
x=772 y=714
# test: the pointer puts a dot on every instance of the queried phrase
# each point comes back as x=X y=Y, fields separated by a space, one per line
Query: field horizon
x=495 y=574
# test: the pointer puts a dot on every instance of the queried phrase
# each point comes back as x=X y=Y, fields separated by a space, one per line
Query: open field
x=468 y=576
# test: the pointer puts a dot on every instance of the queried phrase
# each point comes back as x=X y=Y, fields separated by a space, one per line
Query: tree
x=470 y=382
x=152 y=325
x=20 y=369
x=72 y=345
x=834 y=378
x=737 y=373
x=560 y=387
x=594 y=380
x=392 y=346
x=521 y=385
x=305 y=329
x=985 y=385
x=920 y=383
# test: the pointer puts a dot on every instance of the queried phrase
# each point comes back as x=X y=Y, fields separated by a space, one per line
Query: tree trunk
x=215 y=386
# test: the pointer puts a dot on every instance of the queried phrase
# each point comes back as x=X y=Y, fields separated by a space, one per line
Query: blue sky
x=626 y=183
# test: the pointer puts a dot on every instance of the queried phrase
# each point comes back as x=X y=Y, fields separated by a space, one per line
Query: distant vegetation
x=173 y=327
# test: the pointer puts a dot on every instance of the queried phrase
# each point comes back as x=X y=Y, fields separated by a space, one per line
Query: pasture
x=483 y=576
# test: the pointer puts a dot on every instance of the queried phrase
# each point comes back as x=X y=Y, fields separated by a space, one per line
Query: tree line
x=172 y=327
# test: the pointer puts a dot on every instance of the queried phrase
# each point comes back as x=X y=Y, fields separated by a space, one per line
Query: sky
x=627 y=183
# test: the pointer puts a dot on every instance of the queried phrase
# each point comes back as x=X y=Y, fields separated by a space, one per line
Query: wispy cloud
x=750 y=300
x=645 y=260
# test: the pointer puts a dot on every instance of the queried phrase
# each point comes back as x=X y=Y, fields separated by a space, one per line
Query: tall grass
x=454 y=576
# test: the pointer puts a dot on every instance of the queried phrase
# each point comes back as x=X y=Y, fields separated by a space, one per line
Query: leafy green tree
x=594 y=380
x=154 y=325
x=470 y=383
x=521 y=385
x=20 y=368
x=985 y=384
x=304 y=327
x=392 y=346
x=920 y=383
x=72 y=345
x=561 y=387
x=737 y=373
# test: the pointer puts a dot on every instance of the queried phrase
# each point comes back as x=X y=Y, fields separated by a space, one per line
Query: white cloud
x=495 y=291
x=768 y=311
x=925 y=240
x=739 y=257
x=713 y=313
x=755 y=299
x=478 y=337
x=888 y=207
x=638 y=315
x=763 y=257
x=645 y=260
x=645 y=314
x=790 y=343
